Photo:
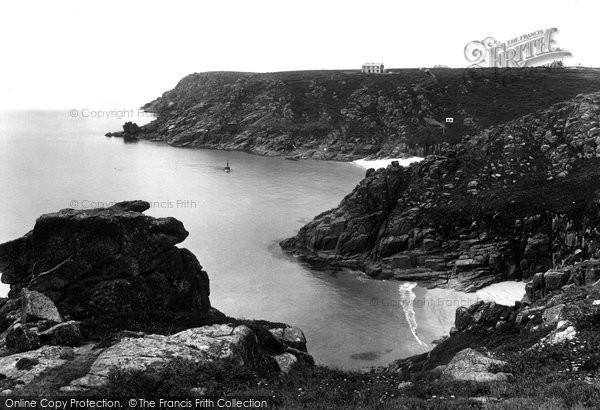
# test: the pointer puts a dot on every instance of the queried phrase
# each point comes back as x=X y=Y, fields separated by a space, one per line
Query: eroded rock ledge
x=106 y=289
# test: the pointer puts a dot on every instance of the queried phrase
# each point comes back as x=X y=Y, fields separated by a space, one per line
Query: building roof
x=373 y=64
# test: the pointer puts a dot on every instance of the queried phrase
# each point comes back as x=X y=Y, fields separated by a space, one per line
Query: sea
x=51 y=160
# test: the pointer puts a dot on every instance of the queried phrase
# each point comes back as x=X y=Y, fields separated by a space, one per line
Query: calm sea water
x=51 y=160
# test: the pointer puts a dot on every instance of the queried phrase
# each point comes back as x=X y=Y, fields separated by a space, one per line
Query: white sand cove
x=504 y=293
x=382 y=163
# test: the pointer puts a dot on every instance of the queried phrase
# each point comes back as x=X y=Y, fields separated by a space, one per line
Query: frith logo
x=524 y=51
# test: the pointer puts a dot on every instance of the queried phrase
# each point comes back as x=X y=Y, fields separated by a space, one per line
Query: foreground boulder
x=86 y=368
x=148 y=353
x=85 y=286
x=97 y=261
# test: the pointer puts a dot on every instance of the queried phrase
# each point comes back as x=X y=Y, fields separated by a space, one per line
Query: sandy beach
x=435 y=308
x=504 y=293
x=382 y=163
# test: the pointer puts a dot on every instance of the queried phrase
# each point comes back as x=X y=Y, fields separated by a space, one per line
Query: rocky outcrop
x=346 y=115
x=554 y=334
x=130 y=131
x=510 y=202
x=549 y=282
x=105 y=260
x=78 y=273
x=541 y=307
x=471 y=365
x=151 y=352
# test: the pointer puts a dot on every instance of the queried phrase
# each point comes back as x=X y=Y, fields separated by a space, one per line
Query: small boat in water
x=227 y=168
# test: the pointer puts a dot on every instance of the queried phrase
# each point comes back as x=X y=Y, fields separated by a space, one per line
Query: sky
x=121 y=54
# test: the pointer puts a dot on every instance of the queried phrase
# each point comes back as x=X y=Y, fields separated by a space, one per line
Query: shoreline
x=364 y=163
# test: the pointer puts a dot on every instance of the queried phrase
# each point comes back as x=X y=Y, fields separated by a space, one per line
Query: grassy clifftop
x=345 y=115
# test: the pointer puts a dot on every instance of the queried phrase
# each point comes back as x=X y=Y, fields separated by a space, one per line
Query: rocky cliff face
x=512 y=201
x=346 y=115
x=88 y=287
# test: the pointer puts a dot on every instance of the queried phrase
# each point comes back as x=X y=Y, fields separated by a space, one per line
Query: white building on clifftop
x=376 y=68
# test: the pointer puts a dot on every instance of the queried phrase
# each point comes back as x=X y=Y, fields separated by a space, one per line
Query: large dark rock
x=36 y=306
x=131 y=128
x=20 y=339
x=63 y=334
x=105 y=260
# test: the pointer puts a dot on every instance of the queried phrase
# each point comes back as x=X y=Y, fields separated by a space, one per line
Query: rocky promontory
x=105 y=290
x=104 y=260
x=345 y=114
x=509 y=202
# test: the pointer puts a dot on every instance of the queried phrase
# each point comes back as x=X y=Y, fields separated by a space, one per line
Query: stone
x=37 y=306
x=38 y=361
x=278 y=333
x=530 y=315
x=373 y=269
x=554 y=280
x=25 y=363
x=9 y=308
x=200 y=345
x=559 y=336
x=401 y=262
x=294 y=337
x=20 y=339
x=63 y=334
x=471 y=365
x=131 y=128
x=538 y=281
x=463 y=318
x=404 y=385
x=285 y=361
x=553 y=314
